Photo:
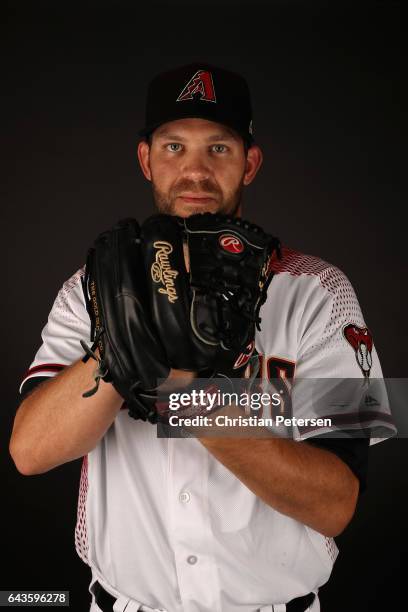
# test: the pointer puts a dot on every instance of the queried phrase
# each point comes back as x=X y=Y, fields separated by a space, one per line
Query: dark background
x=327 y=85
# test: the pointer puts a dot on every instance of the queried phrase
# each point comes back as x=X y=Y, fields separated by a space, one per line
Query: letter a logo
x=201 y=83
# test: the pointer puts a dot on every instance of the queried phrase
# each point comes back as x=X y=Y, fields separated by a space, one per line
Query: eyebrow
x=226 y=135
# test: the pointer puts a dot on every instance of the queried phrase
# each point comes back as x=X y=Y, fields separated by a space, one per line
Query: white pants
x=315 y=608
x=124 y=604
x=278 y=608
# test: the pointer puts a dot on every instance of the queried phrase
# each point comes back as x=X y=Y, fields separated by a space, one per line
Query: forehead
x=194 y=128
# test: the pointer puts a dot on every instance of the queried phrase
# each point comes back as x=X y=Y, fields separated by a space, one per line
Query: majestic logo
x=162 y=271
x=231 y=243
x=201 y=83
x=244 y=357
x=361 y=340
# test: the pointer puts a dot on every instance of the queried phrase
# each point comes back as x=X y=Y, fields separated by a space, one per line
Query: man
x=199 y=525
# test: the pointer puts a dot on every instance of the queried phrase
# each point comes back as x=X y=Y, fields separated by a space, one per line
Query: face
x=197 y=166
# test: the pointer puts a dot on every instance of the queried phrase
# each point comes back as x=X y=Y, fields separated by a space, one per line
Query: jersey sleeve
x=68 y=323
x=338 y=373
x=353 y=451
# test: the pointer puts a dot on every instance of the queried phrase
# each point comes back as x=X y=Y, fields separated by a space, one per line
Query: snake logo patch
x=162 y=271
x=244 y=357
x=201 y=83
x=231 y=243
x=361 y=340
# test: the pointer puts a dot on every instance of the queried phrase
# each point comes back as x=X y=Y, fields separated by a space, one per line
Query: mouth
x=196 y=199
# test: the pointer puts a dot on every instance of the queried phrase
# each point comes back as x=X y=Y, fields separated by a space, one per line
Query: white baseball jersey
x=161 y=521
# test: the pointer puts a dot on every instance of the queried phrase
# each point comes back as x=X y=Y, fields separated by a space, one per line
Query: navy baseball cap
x=202 y=91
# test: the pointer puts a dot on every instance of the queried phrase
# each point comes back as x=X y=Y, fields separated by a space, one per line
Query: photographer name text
x=223 y=420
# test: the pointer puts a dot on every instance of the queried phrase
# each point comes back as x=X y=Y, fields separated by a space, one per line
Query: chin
x=186 y=210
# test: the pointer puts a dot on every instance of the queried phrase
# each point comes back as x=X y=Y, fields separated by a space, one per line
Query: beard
x=168 y=204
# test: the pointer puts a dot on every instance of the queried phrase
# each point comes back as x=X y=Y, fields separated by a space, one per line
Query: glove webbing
x=216 y=287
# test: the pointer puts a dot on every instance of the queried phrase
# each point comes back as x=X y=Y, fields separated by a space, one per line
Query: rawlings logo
x=361 y=340
x=201 y=83
x=162 y=271
x=230 y=243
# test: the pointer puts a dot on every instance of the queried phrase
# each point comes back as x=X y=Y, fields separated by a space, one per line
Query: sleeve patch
x=361 y=340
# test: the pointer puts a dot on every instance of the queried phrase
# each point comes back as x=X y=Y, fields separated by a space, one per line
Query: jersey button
x=192 y=559
x=184 y=497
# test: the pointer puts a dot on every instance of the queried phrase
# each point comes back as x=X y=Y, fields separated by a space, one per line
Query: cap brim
x=144 y=132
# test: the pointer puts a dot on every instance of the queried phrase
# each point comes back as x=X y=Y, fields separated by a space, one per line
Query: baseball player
x=199 y=524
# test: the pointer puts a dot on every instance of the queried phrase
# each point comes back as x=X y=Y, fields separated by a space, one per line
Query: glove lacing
x=101 y=370
x=227 y=302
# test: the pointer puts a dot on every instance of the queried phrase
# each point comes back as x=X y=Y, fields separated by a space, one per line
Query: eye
x=173 y=147
x=219 y=148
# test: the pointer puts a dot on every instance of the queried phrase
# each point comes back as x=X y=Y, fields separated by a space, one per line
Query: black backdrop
x=327 y=87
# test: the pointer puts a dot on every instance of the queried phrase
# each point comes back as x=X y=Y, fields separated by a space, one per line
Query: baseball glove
x=174 y=293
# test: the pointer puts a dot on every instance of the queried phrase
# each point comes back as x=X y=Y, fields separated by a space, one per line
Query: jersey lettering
x=279 y=374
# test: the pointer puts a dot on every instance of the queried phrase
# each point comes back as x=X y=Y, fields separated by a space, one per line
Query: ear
x=143 y=154
x=253 y=163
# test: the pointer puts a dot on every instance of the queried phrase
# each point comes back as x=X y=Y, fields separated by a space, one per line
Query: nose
x=196 y=166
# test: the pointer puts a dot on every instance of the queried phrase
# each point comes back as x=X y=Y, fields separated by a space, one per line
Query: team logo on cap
x=361 y=340
x=231 y=243
x=201 y=83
